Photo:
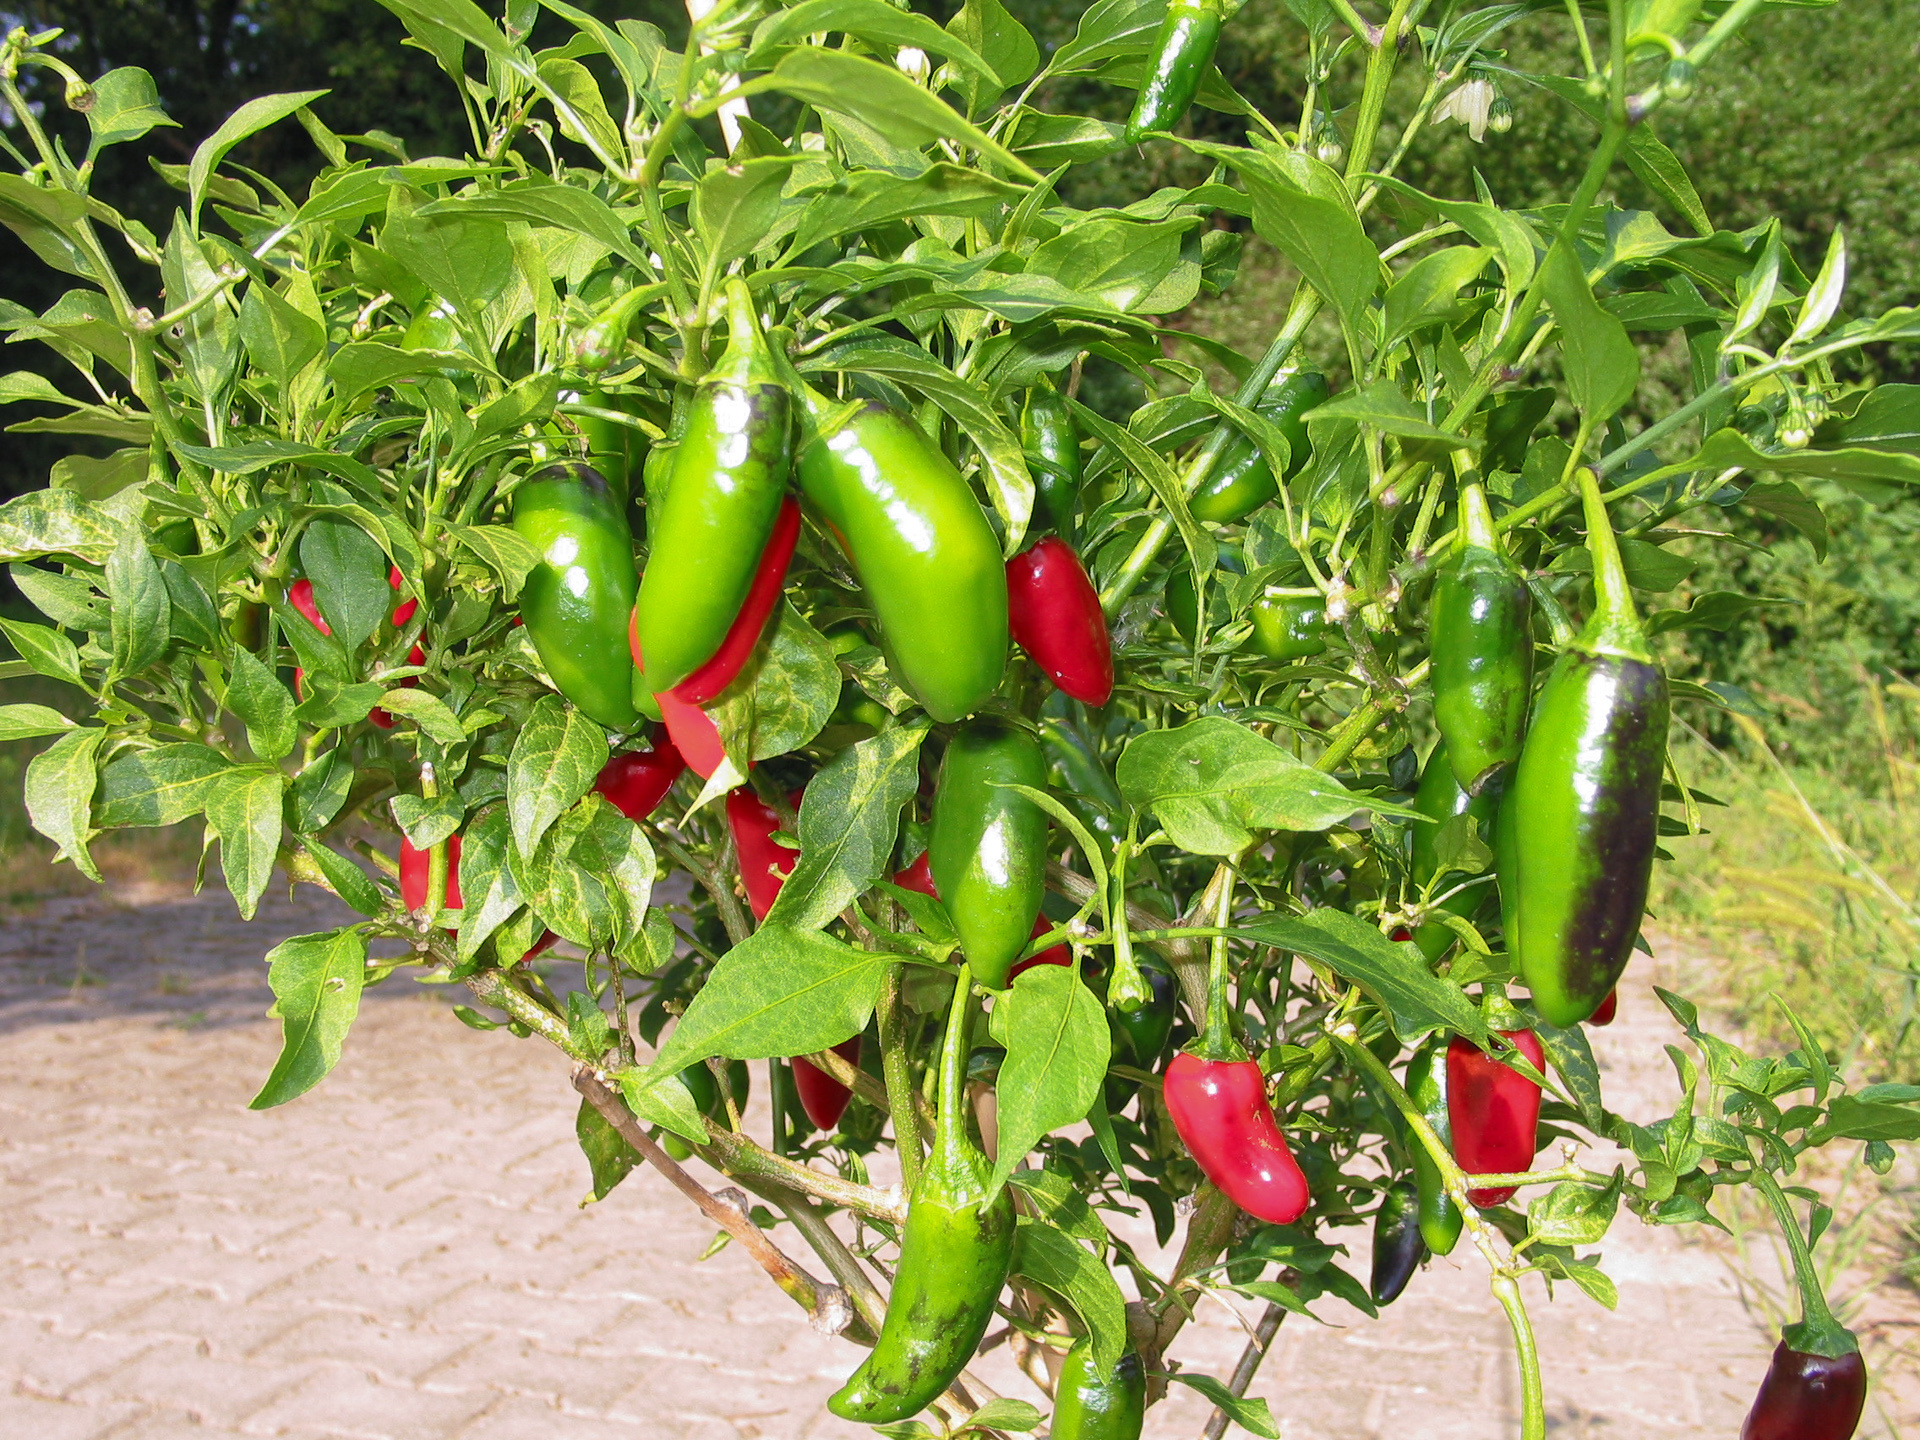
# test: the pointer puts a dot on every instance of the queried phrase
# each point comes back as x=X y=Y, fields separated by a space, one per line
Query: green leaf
x=848 y=825
x=126 y=105
x=1786 y=501
x=1429 y=292
x=1003 y=1414
x=321 y=788
x=463 y=259
x=430 y=713
x=55 y=522
x=1729 y=449
x=161 y=786
x=243 y=809
x=1058 y=1047
x=1383 y=406
x=349 y=881
x=1657 y=167
x=1602 y=365
x=1253 y=1415
x=880 y=96
x=661 y=1098
x=280 y=339
x=29 y=722
x=1301 y=207
x=1059 y=1203
x=778 y=992
x=866 y=199
x=785 y=696
x=541 y=203
x=59 y=794
x=316 y=982
x=1649 y=567
x=1395 y=975
x=487 y=882
x=100 y=479
x=1854 y=1117
x=1003 y=42
x=1122 y=263
x=1572 y=1213
x=1501 y=231
x=609 y=1158
x=348 y=569
x=555 y=759
x=1714 y=610
x=256 y=695
x=249 y=119
x=735 y=207
x=1049 y=1257
x=1213 y=783
x=47 y=651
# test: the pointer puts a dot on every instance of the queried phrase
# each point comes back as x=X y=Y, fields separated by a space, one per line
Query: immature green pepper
x=1051 y=438
x=1585 y=802
x=1090 y=1406
x=1290 y=627
x=617 y=451
x=1440 y=1219
x=577 y=600
x=1182 y=54
x=729 y=474
x=954 y=1258
x=988 y=844
x=1241 y=481
x=1440 y=798
x=1482 y=650
x=1398 y=1247
x=922 y=547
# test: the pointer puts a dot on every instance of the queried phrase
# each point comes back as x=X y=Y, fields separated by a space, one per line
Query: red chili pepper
x=413 y=884
x=1808 y=1397
x=694 y=734
x=1052 y=955
x=1219 y=1108
x=638 y=780
x=769 y=579
x=1609 y=1008
x=1494 y=1111
x=821 y=1096
x=764 y=864
x=1054 y=614
x=918 y=876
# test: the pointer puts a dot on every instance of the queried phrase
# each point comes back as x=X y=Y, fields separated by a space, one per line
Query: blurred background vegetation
x=1805 y=887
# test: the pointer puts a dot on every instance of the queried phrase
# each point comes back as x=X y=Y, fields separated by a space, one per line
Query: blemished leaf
x=244 y=807
x=1253 y=1415
x=504 y=551
x=487 y=883
x=778 y=992
x=428 y=711
x=847 y=826
x=609 y=1158
x=1394 y=974
x=1058 y=1047
x=316 y=981
x=1213 y=783
x=55 y=522
x=785 y=695
x=1572 y=1213
x=1051 y=1258
x=28 y=722
x=1570 y=1054
x=161 y=786
x=59 y=794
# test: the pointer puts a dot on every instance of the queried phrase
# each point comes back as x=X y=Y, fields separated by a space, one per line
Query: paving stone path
x=401 y=1255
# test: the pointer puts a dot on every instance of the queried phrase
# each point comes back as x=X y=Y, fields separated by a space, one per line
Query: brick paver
x=402 y=1255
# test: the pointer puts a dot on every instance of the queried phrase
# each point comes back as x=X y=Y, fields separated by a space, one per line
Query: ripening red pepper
x=1609 y=1008
x=769 y=580
x=918 y=876
x=638 y=780
x=413 y=884
x=1494 y=1111
x=1053 y=613
x=764 y=863
x=1808 y=1397
x=821 y=1096
x=1219 y=1108
x=694 y=734
x=1052 y=955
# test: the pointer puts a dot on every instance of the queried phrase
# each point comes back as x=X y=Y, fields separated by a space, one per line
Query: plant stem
x=903 y=1101
x=1250 y=1358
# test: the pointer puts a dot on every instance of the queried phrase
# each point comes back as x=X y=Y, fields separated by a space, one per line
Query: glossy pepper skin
x=617 y=451
x=987 y=849
x=921 y=545
x=1054 y=615
x=414 y=876
x=1181 y=56
x=1808 y=1397
x=577 y=600
x=1426 y=1081
x=1290 y=627
x=1090 y=1406
x=764 y=863
x=1480 y=629
x=1398 y=1247
x=1051 y=438
x=1219 y=1108
x=743 y=636
x=954 y=1257
x=1241 y=480
x=694 y=734
x=1585 y=801
x=730 y=472
x=636 y=781
x=1440 y=798
x=821 y=1096
x=1609 y=1009
x=1494 y=1112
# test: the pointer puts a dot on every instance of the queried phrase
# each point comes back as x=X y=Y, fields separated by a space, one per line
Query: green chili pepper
x=954 y=1257
x=1482 y=650
x=1290 y=627
x=618 y=452
x=1241 y=480
x=1181 y=56
x=1440 y=1219
x=729 y=474
x=1182 y=599
x=1585 y=802
x=605 y=339
x=921 y=544
x=1051 y=439
x=1440 y=798
x=577 y=600
x=988 y=845
x=1090 y=1406
x=1398 y=1247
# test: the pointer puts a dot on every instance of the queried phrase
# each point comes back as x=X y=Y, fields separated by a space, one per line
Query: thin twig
x=1250 y=1358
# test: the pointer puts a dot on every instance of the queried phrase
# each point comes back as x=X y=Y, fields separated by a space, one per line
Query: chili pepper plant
x=1253 y=794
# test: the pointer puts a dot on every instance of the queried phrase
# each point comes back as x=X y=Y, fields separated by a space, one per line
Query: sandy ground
x=402 y=1253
